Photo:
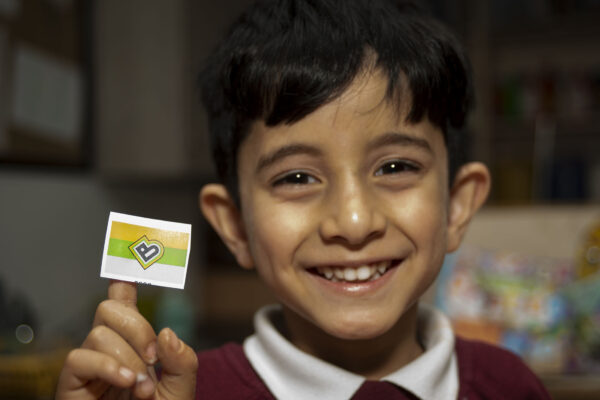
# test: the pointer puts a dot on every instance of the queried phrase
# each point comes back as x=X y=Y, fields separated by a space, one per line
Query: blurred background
x=99 y=113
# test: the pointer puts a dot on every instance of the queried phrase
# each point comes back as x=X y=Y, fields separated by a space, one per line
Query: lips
x=355 y=274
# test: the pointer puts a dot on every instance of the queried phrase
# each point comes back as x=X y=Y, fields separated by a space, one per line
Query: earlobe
x=468 y=193
x=220 y=210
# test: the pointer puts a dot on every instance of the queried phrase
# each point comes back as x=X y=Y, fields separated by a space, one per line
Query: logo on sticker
x=147 y=251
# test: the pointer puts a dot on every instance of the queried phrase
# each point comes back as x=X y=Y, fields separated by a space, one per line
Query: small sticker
x=146 y=250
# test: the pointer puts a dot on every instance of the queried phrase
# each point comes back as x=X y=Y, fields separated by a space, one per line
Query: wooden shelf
x=578 y=28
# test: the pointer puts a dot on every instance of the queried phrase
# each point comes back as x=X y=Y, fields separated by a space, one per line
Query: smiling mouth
x=363 y=273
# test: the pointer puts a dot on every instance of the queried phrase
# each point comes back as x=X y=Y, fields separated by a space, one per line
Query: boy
x=335 y=132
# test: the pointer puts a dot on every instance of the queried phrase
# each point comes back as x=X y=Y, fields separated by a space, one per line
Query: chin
x=357 y=329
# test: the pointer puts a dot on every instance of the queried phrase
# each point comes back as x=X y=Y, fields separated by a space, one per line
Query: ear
x=220 y=210
x=468 y=193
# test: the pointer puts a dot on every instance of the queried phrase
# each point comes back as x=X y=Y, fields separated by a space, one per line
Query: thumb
x=179 y=365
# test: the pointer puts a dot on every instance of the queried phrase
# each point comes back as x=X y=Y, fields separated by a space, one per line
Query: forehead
x=366 y=99
x=354 y=118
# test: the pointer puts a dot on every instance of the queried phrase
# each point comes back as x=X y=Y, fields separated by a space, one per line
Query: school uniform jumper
x=267 y=366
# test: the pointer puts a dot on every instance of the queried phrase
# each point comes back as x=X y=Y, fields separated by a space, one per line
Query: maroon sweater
x=484 y=372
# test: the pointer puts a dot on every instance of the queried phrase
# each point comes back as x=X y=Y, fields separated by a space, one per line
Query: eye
x=397 y=166
x=295 y=178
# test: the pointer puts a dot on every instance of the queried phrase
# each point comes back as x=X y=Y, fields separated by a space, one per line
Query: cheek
x=276 y=232
x=423 y=223
x=276 y=235
x=422 y=216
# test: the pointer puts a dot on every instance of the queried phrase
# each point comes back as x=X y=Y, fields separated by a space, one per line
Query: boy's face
x=347 y=190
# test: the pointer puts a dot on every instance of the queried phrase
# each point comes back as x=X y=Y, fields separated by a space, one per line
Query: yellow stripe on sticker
x=132 y=233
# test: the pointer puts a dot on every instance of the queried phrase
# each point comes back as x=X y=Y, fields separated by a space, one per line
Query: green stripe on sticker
x=175 y=257
x=120 y=248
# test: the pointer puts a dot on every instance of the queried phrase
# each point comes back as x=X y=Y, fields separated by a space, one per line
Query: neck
x=372 y=358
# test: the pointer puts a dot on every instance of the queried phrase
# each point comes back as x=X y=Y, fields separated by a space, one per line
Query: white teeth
x=350 y=274
x=363 y=273
x=376 y=275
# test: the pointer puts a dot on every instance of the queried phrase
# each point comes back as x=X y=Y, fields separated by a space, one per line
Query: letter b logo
x=146 y=251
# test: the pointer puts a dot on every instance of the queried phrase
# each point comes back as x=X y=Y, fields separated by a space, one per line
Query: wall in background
x=52 y=228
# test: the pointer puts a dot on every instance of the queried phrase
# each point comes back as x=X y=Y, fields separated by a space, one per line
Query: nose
x=353 y=217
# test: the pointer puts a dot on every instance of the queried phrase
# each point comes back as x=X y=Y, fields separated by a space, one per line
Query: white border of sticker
x=156 y=277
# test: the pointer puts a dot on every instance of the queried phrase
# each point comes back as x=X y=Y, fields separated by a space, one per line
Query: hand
x=116 y=359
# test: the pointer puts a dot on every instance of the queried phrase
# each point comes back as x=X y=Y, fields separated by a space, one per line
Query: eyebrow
x=390 y=138
x=403 y=139
x=286 y=151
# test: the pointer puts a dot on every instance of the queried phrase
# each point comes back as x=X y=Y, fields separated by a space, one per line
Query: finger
x=180 y=365
x=124 y=292
x=144 y=388
x=104 y=340
x=84 y=365
x=130 y=325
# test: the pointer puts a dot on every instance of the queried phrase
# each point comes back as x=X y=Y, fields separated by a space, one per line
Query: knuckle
x=194 y=362
x=192 y=358
x=72 y=357
x=108 y=365
x=104 y=308
x=97 y=334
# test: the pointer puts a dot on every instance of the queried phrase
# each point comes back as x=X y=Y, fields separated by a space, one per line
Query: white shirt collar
x=290 y=373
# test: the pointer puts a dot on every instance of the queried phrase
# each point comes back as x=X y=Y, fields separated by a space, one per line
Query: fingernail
x=174 y=342
x=151 y=353
x=145 y=385
x=126 y=373
x=140 y=377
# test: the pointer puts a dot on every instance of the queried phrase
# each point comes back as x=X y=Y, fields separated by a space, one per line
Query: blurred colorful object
x=546 y=310
x=511 y=300
x=584 y=297
x=588 y=259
